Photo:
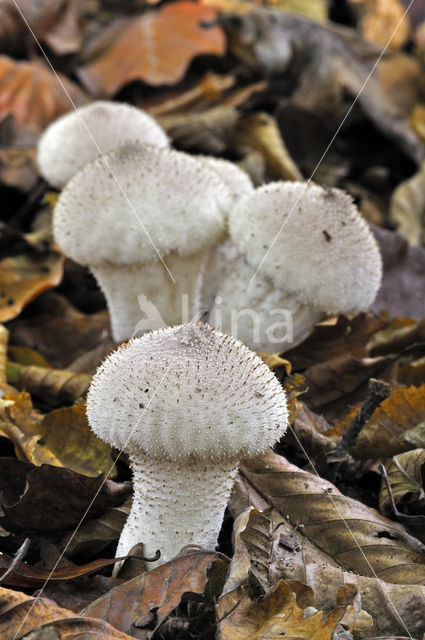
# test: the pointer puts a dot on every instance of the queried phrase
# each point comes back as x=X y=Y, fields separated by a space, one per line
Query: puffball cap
x=236 y=178
x=66 y=145
x=186 y=393
x=323 y=251
x=118 y=211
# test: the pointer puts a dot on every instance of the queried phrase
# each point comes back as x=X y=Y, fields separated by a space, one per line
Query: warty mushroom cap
x=187 y=393
x=180 y=206
x=66 y=145
x=323 y=251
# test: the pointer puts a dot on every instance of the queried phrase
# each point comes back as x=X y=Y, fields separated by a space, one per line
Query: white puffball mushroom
x=186 y=404
x=146 y=208
x=236 y=178
x=67 y=144
x=316 y=257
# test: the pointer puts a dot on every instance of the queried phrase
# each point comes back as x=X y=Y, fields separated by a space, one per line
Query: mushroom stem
x=264 y=317
x=123 y=284
x=176 y=504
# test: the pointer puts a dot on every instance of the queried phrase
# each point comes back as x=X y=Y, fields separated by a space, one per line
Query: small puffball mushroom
x=236 y=179
x=127 y=219
x=67 y=144
x=316 y=257
x=186 y=404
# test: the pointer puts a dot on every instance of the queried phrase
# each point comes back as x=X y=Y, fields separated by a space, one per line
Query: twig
x=377 y=392
x=20 y=555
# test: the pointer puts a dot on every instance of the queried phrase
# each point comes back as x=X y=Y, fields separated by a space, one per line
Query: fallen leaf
x=387 y=432
x=4 y=339
x=61 y=438
x=407 y=207
x=21 y=614
x=274 y=361
x=273 y=616
x=371 y=545
x=382 y=22
x=31 y=92
x=49 y=499
x=55 y=386
x=138 y=53
x=26 y=270
x=159 y=590
x=406 y=473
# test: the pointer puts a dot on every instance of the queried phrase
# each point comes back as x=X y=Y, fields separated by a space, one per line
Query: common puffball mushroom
x=79 y=136
x=186 y=404
x=144 y=222
x=305 y=253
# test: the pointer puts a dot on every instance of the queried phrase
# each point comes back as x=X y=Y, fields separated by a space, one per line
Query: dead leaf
x=314 y=9
x=381 y=22
x=4 y=339
x=127 y=607
x=138 y=52
x=275 y=615
x=388 y=430
x=371 y=545
x=274 y=361
x=50 y=499
x=407 y=207
x=402 y=290
x=406 y=474
x=31 y=92
x=61 y=438
x=26 y=270
x=56 y=386
x=20 y=614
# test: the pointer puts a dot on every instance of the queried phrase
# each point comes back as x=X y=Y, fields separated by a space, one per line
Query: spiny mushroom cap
x=176 y=205
x=236 y=179
x=323 y=251
x=186 y=393
x=66 y=145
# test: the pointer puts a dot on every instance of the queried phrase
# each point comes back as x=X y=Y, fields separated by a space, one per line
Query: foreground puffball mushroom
x=75 y=139
x=315 y=257
x=147 y=216
x=186 y=404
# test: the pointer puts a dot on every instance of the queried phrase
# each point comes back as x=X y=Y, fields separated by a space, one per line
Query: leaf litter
x=310 y=558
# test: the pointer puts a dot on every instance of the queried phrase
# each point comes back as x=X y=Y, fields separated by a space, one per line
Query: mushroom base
x=176 y=504
x=262 y=316
x=144 y=297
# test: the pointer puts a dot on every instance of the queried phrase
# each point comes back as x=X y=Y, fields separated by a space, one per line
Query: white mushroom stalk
x=78 y=137
x=144 y=224
x=312 y=255
x=187 y=404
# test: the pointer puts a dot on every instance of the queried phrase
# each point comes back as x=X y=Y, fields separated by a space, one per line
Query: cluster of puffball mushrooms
x=188 y=402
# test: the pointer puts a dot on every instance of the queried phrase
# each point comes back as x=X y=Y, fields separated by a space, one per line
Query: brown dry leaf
x=60 y=332
x=407 y=207
x=314 y=9
x=275 y=615
x=50 y=499
x=162 y=588
x=372 y=545
x=402 y=290
x=392 y=424
x=26 y=270
x=400 y=75
x=259 y=132
x=140 y=53
x=31 y=92
x=380 y=22
x=4 y=339
x=274 y=361
x=20 y=614
x=406 y=474
x=55 y=386
x=62 y=438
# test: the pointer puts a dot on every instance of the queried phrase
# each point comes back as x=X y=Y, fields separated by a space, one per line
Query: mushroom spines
x=311 y=241
x=187 y=392
x=75 y=139
x=144 y=196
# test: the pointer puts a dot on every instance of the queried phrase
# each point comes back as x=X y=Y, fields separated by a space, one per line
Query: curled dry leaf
x=393 y=425
x=407 y=207
x=20 y=614
x=4 y=338
x=393 y=608
x=32 y=93
x=49 y=499
x=159 y=591
x=61 y=438
x=26 y=270
x=139 y=51
x=56 y=386
x=371 y=545
x=383 y=22
x=406 y=474
x=275 y=615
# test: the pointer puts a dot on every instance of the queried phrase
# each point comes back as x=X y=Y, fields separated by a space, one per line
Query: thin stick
x=20 y=555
